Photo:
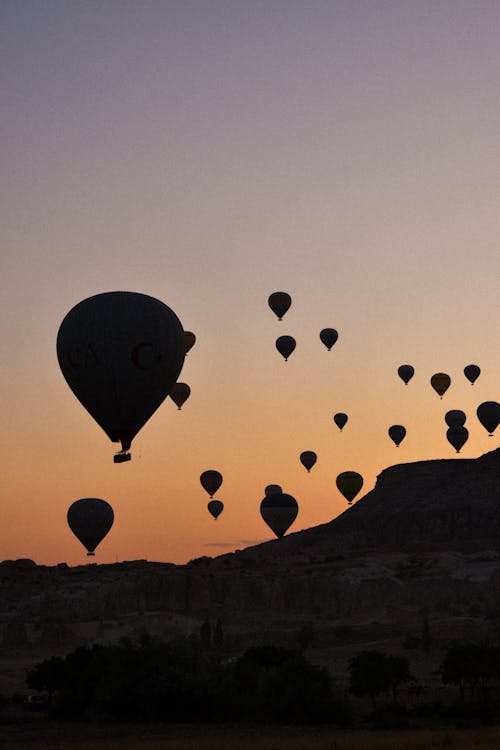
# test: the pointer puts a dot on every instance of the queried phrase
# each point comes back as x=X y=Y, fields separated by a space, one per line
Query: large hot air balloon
x=308 y=459
x=179 y=394
x=455 y=418
x=328 y=336
x=349 y=484
x=121 y=353
x=397 y=433
x=90 y=519
x=279 y=302
x=272 y=489
x=285 y=345
x=440 y=381
x=189 y=340
x=488 y=414
x=215 y=508
x=340 y=420
x=472 y=372
x=279 y=511
x=211 y=480
x=406 y=372
x=457 y=436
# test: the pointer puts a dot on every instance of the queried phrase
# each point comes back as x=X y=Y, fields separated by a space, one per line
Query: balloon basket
x=120 y=457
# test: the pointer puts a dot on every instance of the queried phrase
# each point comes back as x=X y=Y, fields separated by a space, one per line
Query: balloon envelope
x=211 y=480
x=472 y=373
x=455 y=418
x=215 y=508
x=340 y=420
x=328 y=336
x=488 y=414
x=189 y=340
x=349 y=484
x=285 y=345
x=308 y=459
x=279 y=302
x=180 y=393
x=457 y=435
x=272 y=489
x=279 y=511
x=121 y=353
x=397 y=433
x=90 y=519
x=406 y=372
x=440 y=382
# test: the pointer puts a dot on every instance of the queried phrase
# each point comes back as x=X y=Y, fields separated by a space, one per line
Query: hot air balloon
x=440 y=382
x=457 y=436
x=279 y=511
x=328 y=336
x=397 y=433
x=488 y=414
x=349 y=483
x=455 y=418
x=308 y=459
x=279 y=302
x=180 y=393
x=90 y=519
x=189 y=340
x=215 y=508
x=211 y=480
x=472 y=372
x=406 y=372
x=340 y=420
x=285 y=345
x=272 y=489
x=121 y=353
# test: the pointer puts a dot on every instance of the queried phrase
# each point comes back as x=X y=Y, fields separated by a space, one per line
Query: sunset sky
x=208 y=154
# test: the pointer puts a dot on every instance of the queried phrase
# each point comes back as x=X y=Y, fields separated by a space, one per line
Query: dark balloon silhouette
x=406 y=372
x=121 y=353
x=328 y=336
x=397 y=433
x=90 y=519
x=285 y=345
x=180 y=394
x=189 y=340
x=457 y=435
x=440 y=381
x=211 y=480
x=308 y=459
x=455 y=418
x=340 y=420
x=279 y=302
x=272 y=489
x=279 y=511
x=488 y=414
x=472 y=372
x=215 y=508
x=349 y=484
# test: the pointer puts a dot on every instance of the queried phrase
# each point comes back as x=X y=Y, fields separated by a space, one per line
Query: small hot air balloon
x=189 y=340
x=472 y=372
x=397 y=433
x=90 y=519
x=488 y=414
x=285 y=345
x=215 y=508
x=457 y=436
x=279 y=302
x=349 y=483
x=308 y=459
x=340 y=420
x=121 y=353
x=211 y=480
x=406 y=372
x=272 y=489
x=455 y=418
x=279 y=511
x=179 y=394
x=440 y=382
x=328 y=336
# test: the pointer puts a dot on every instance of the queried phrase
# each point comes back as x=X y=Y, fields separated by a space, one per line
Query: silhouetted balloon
x=180 y=393
x=285 y=345
x=189 y=340
x=488 y=414
x=472 y=373
x=215 y=508
x=90 y=519
x=328 y=336
x=121 y=353
x=455 y=418
x=279 y=511
x=457 y=436
x=279 y=302
x=340 y=420
x=349 y=484
x=440 y=382
x=211 y=480
x=272 y=489
x=406 y=372
x=308 y=459
x=397 y=433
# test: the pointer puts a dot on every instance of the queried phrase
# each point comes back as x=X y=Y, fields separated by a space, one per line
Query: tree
x=305 y=636
x=206 y=633
x=426 y=633
x=372 y=673
x=218 y=635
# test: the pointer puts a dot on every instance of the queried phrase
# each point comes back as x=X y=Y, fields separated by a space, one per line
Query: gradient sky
x=208 y=154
